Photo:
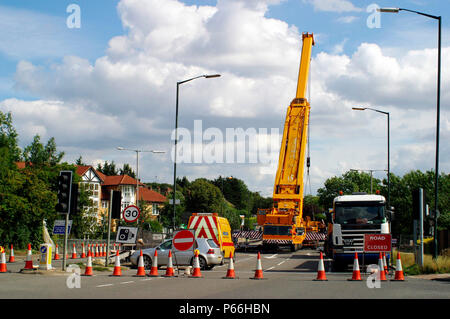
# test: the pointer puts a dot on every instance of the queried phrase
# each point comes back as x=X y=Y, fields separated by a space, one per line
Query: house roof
x=119 y=180
x=148 y=195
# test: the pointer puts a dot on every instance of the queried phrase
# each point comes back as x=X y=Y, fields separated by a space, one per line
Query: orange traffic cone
x=117 y=270
x=74 y=252
x=154 y=270
x=88 y=271
x=321 y=270
x=3 y=261
x=258 y=271
x=230 y=271
x=169 y=270
x=196 y=272
x=398 y=270
x=96 y=251
x=381 y=268
x=356 y=273
x=104 y=250
x=386 y=271
x=11 y=255
x=100 y=253
x=29 y=260
x=83 y=252
x=141 y=267
x=56 y=253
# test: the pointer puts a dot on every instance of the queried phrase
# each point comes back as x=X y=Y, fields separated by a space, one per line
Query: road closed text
x=378 y=242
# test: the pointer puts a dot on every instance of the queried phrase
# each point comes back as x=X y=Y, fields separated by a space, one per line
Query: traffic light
x=74 y=209
x=116 y=204
x=416 y=203
x=64 y=191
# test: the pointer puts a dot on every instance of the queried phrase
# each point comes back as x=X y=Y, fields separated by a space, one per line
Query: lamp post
x=438 y=102
x=371 y=174
x=207 y=76
x=137 y=166
x=388 y=149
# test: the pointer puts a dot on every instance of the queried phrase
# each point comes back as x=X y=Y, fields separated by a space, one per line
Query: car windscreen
x=166 y=245
x=359 y=212
x=277 y=230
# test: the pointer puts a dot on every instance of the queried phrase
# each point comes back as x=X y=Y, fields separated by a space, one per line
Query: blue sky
x=103 y=64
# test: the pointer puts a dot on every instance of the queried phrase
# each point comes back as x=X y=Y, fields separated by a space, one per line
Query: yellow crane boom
x=283 y=223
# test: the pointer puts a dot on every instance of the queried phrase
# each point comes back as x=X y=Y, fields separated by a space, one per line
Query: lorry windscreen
x=277 y=230
x=359 y=213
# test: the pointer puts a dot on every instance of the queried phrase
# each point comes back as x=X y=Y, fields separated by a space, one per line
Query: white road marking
x=270 y=268
x=281 y=262
x=270 y=257
x=126 y=282
x=107 y=285
x=146 y=279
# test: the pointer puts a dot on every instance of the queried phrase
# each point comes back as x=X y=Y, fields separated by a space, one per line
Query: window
x=155 y=210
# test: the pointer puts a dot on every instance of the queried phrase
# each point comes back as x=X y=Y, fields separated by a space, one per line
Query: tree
x=203 y=197
x=127 y=170
x=349 y=182
x=108 y=169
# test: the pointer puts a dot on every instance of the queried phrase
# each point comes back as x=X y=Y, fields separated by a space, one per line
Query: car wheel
x=147 y=262
x=203 y=263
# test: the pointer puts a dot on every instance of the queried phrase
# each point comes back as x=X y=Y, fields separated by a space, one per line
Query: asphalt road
x=287 y=275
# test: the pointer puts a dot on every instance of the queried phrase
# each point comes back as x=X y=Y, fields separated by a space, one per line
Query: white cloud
x=334 y=5
x=347 y=19
x=127 y=97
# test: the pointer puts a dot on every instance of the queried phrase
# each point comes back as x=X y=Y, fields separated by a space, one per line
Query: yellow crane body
x=283 y=223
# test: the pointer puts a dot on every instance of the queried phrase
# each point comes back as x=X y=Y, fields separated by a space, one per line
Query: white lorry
x=351 y=217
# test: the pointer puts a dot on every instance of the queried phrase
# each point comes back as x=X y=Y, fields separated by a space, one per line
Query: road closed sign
x=183 y=240
x=377 y=242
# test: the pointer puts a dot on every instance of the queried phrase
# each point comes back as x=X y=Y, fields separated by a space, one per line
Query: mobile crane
x=283 y=224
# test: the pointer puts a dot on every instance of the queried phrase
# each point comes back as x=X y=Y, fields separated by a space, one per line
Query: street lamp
x=438 y=103
x=388 y=149
x=207 y=76
x=137 y=166
x=371 y=174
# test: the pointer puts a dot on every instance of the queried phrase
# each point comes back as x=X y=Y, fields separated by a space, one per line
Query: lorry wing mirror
x=329 y=217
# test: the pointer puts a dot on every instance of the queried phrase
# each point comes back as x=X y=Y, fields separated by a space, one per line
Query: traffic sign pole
x=109 y=228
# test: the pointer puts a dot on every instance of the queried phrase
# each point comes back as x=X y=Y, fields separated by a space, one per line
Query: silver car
x=209 y=255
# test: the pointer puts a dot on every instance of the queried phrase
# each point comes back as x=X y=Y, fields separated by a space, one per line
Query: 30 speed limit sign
x=131 y=213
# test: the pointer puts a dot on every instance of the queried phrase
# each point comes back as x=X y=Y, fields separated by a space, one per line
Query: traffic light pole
x=65 y=242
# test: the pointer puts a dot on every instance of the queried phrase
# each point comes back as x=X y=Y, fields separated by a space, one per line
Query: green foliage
x=109 y=169
x=127 y=170
x=401 y=189
x=203 y=197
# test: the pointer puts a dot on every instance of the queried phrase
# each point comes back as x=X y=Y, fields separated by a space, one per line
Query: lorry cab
x=351 y=217
x=212 y=226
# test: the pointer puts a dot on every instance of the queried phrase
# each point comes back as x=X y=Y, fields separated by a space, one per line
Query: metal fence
x=145 y=239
